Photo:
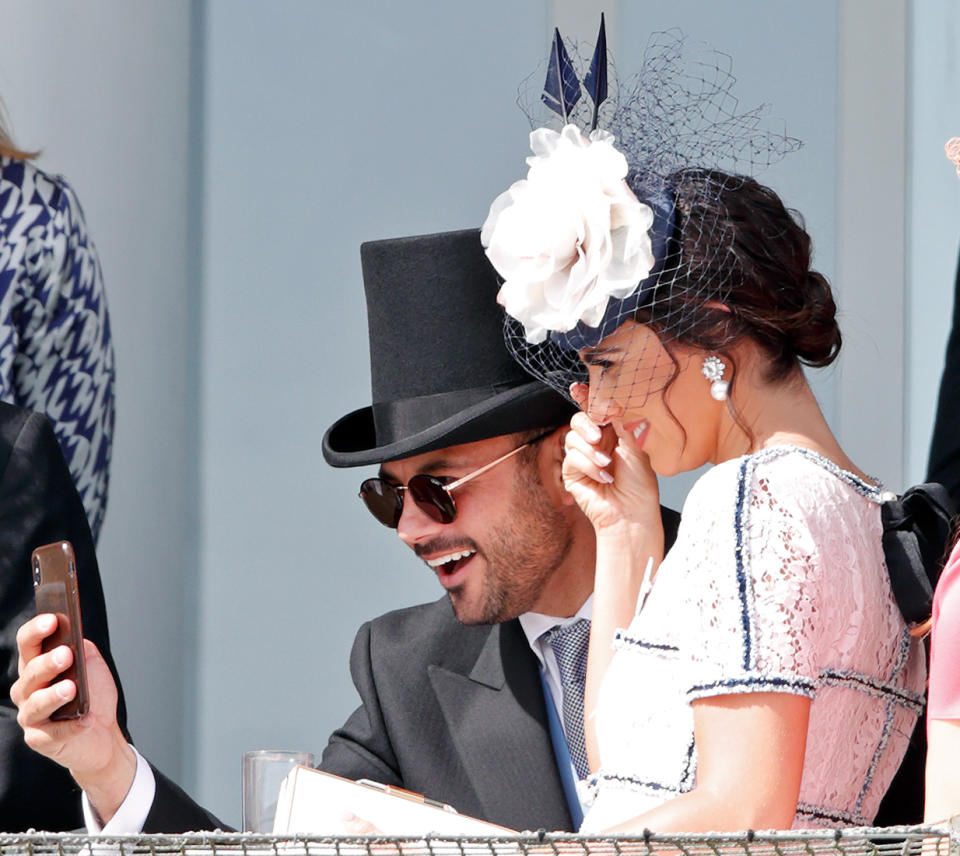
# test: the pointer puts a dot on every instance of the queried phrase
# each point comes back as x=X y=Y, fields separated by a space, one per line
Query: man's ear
x=552 y=463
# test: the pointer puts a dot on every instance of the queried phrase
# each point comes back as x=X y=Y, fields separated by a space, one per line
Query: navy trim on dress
x=820 y=813
x=804 y=686
x=689 y=766
x=634 y=781
x=739 y=529
x=626 y=639
x=879 y=689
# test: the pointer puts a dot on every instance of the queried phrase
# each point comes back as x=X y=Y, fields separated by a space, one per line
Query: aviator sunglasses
x=432 y=494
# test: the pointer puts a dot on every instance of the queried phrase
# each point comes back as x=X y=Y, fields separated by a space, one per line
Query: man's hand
x=93 y=747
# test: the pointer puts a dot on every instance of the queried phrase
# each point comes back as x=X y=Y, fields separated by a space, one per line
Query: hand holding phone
x=94 y=749
x=55 y=591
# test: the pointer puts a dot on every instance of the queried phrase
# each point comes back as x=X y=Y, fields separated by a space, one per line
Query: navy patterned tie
x=569 y=643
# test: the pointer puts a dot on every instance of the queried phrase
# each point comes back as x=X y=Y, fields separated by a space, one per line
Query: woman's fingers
x=579 y=394
x=577 y=464
x=587 y=451
x=585 y=427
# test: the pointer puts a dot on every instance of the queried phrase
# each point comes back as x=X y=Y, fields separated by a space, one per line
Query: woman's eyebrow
x=595 y=353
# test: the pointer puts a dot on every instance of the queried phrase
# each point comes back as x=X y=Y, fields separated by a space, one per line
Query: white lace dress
x=777 y=583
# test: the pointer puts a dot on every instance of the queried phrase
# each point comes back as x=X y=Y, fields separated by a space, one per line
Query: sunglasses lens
x=383 y=500
x=428 y=493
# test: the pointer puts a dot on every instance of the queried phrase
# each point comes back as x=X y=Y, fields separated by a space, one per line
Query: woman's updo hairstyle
x=736 y=234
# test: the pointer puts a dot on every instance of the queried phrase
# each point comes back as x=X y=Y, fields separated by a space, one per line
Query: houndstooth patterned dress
x=56 y=354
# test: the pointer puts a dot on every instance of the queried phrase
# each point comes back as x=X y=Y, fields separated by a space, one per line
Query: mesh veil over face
x=688 y=147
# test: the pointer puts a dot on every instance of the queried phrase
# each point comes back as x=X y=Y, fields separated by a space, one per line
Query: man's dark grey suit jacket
x=455 y=713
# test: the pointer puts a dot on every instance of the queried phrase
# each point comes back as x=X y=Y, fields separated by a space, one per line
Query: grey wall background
x=103 y=88
x=231 y=157
x=934 y=211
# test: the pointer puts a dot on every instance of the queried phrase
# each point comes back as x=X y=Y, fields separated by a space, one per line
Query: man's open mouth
x=449 y=563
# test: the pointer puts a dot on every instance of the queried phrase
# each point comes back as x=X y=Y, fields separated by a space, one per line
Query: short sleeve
x=758 y=624
x=944 y=697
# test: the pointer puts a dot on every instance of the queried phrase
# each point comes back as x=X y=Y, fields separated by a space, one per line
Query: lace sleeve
x=756 y=580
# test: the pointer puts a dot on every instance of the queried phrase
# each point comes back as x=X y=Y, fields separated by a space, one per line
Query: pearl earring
x=713 y=369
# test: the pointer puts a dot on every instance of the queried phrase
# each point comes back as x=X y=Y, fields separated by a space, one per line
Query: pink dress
x=776 y=583
x=944 y=698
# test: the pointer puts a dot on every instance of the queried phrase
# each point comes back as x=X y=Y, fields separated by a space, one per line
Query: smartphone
x=55 y=590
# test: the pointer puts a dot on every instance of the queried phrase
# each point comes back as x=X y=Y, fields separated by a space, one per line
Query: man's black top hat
x=441 y=374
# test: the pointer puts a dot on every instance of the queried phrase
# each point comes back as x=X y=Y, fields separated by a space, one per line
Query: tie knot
x=569 y=643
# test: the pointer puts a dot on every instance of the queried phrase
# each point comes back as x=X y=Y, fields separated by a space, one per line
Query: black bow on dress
x=916 y=536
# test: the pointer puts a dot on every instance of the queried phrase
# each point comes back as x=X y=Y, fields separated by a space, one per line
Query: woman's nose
x=602 y=407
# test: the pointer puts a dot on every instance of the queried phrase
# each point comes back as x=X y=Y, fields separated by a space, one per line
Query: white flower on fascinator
x=570 y=236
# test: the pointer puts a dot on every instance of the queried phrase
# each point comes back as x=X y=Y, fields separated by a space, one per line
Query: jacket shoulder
x=427 y=632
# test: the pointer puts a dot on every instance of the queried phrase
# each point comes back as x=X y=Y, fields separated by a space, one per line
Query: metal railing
x=938 y=840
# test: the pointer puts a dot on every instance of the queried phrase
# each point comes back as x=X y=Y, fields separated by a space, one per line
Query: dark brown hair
x=740 y=268
x=736 y=234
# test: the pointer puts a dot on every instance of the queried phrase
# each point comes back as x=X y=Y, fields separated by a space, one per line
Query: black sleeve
x=39 y=504
x=174 y=812
x=944 y=464
x=361 y=748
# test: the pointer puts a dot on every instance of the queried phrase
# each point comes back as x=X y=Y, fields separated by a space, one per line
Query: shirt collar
x=535 y=624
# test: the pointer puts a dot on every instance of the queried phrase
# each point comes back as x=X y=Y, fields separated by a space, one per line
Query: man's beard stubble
x=524 y=552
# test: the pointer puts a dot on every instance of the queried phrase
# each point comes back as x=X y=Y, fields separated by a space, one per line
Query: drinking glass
x=263 y=772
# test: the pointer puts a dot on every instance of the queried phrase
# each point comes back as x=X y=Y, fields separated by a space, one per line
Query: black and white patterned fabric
x=56 y=354
x=570 y=643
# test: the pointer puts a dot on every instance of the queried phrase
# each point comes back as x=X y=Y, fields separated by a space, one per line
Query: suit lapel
x=498 y=723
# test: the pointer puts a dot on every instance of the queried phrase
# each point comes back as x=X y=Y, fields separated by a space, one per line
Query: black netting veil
x=688 y=144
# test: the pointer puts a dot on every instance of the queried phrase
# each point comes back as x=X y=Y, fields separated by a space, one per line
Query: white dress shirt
x=133 y=811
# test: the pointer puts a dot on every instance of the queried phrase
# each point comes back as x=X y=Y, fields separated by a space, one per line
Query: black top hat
x=441 y=374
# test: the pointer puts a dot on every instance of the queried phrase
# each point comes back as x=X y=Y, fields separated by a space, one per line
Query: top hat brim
x=351 y=440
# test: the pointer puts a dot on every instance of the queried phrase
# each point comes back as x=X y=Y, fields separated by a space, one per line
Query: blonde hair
x=7 y=148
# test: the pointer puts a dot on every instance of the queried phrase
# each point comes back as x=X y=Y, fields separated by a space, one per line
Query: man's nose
x=415 y=524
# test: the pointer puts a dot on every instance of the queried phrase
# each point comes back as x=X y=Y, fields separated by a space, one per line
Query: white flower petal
x=570 y=236
x=543 y=142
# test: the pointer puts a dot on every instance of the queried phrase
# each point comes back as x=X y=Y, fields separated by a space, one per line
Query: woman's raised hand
x=608 y=473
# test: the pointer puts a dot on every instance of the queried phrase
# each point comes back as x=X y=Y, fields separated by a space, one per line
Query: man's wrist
x=107 y=787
